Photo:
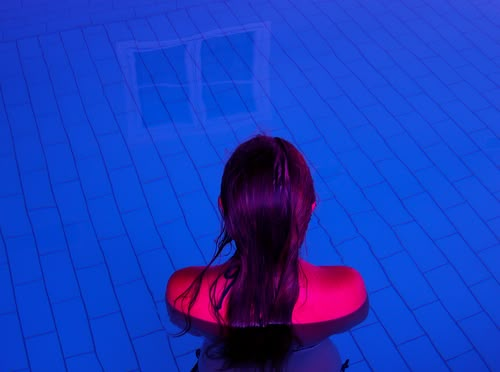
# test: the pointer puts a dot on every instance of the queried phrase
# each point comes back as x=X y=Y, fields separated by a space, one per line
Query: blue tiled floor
x=115 y=124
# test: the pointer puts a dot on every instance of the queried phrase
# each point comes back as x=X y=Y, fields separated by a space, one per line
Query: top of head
x=267 y=191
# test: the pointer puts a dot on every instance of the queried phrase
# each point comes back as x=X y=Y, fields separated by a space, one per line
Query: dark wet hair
x=266 y=195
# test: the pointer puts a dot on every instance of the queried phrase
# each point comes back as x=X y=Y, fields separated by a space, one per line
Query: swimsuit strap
x=230 y=274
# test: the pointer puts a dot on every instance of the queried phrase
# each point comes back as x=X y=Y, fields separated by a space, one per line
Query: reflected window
x=200 y=82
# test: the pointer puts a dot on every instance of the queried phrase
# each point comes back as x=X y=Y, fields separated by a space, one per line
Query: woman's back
x=326 y=294
x=332 y=299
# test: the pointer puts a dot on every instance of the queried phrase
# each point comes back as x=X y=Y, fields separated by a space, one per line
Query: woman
x=266 y=308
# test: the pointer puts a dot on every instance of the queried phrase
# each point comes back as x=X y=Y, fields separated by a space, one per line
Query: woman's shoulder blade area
x=332 y=299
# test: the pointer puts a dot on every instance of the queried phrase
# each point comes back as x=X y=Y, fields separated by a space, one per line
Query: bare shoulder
x=346 y=286
x=333 y=292
x=343 y=276
x=179 y=282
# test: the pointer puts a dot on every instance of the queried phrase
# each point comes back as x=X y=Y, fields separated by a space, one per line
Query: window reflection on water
x=206 y=84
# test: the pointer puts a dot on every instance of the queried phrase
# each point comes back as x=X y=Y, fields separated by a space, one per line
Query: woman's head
x=267 y=197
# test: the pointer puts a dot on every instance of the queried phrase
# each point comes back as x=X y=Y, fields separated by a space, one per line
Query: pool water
x=116 y=121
